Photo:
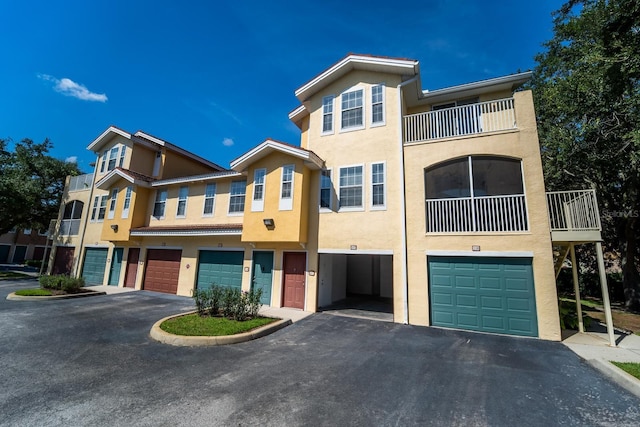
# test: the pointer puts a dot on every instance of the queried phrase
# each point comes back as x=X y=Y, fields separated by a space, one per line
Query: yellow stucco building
x=430 y=204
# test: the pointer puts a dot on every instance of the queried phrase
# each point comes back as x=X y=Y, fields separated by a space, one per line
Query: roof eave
x=97 y=143
x=311 y=160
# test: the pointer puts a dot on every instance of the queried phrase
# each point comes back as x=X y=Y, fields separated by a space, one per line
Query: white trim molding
x=493 y=254
x=356 y=251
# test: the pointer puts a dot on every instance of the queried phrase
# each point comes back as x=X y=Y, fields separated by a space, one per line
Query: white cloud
x=68 y=87
x=71 y=159
x=227 y=142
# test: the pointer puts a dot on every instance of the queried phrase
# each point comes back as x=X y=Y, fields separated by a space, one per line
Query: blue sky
x=217 y=78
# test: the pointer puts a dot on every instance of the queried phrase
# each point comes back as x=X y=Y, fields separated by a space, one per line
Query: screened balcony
x=463 y=120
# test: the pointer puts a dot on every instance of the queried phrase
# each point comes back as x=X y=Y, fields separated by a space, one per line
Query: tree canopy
x=587 y=93
x=31 y=184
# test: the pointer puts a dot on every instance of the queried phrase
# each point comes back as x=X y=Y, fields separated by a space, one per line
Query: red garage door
x=161 y=272
x=63 y=261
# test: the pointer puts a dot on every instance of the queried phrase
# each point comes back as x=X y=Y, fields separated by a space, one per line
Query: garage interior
x=356 y=285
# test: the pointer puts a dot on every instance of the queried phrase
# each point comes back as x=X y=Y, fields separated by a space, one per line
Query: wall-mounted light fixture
x=268 y=222
x=114 y=227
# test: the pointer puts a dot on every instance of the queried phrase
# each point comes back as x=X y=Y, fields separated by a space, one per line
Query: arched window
x=476 y=193
x=70 y=225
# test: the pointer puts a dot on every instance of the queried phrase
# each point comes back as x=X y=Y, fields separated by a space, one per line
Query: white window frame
x=157 y=200
x=94 y=209
x=102 y=208
x=363 y=107
x=26 y=231
x=231 y=196
x=113 y=198
x=383 y=206
x=330 y=188
x=286 y=203
x=362 y=185
x=113 y=156
x=331 y=113
x=123 y=151
x=257 y=204
x=382 y=102
x=156 y=164
x=126 y=205
x=182 y=198
x=212 y=198
x=103 y=161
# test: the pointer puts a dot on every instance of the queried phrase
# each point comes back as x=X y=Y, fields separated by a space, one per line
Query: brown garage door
x=161 y=272
x=63 y=261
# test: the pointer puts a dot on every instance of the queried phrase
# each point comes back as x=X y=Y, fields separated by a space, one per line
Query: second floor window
x=99 y=208
x=112 y=203
x=327 y=114
x=209 y=199
x=325 y=189
x=127 y=202
x=123 y=151
x=352 y=110
x=182 y=201
x=257 y=204
x=236 y=196
x=113 y=154
x=351 y=187
x=377 y=185
x=377 y=105
x=159 y=204
x=286 y=188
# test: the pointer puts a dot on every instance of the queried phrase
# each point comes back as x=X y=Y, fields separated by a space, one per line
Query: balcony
x=80 y=182
x=493 y=214
x=69 y=227
x=472 y=119
x=574 y=216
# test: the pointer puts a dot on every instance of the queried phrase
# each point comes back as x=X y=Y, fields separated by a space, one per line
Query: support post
x=576 y=287
x=605 y=294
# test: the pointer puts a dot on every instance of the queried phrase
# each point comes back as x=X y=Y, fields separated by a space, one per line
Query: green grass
x=194 y=325
x=583 y=302
x=630 y=368
x=12 y=275
x=34 y=292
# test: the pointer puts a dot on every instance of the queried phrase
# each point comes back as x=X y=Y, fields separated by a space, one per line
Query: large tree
x=31 y=184
x=587 y=92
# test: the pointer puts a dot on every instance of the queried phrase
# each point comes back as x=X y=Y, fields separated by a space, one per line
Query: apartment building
x=431 y=203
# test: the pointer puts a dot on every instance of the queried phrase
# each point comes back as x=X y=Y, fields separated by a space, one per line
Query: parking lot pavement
x=90 y=361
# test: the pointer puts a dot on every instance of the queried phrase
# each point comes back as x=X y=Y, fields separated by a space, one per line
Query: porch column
x=605 y=294
x=576 y=287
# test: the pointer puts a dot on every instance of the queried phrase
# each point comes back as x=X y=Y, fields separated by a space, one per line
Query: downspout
x=86 y=220
x=405 y=278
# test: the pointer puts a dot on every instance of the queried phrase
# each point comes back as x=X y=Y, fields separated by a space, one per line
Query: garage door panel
x=491 y=302
x=162 y=270
x=223 y=268
x=483 y=294
x=93 y=267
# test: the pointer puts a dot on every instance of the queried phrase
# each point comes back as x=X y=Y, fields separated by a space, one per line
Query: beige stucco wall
x=521 y=143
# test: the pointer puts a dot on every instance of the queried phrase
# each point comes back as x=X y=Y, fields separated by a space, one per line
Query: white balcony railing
x=573 y=210
x=477 y=214
x=80 y=182
x=489 y=116
x=69 y=227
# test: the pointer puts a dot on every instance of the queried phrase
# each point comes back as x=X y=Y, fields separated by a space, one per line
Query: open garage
x=356 y=283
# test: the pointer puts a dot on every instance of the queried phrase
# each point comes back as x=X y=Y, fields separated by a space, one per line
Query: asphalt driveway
x=90 y=361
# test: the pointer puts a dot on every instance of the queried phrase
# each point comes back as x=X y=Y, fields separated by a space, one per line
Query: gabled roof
x=105 y=136
x=113 y=176
x=269 y=146
x=380 y=64
x=196 y=178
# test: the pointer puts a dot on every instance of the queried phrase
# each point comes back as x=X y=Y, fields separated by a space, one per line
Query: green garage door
x=222 y=268
x=483 y=294
x=95 y=260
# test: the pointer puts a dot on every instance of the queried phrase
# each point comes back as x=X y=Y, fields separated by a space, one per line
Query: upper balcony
x=465 y=120
x=574 y=216
x=80 y=182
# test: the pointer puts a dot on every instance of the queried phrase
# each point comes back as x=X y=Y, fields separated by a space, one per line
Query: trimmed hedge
x=61 y=282
x=231 y=303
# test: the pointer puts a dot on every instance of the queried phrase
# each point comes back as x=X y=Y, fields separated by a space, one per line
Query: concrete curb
x=200 y=341
x=616 y=374
x=13 y=297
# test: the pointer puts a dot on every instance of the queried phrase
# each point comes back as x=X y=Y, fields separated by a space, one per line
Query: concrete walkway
x=594 y=347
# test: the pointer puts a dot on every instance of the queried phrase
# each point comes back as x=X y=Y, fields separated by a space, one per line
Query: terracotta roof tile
x=136 y=175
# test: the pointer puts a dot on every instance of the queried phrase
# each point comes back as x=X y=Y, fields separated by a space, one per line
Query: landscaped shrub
x=33 y=263
x=231 y=303
x=569 y=316
x=61 y=282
